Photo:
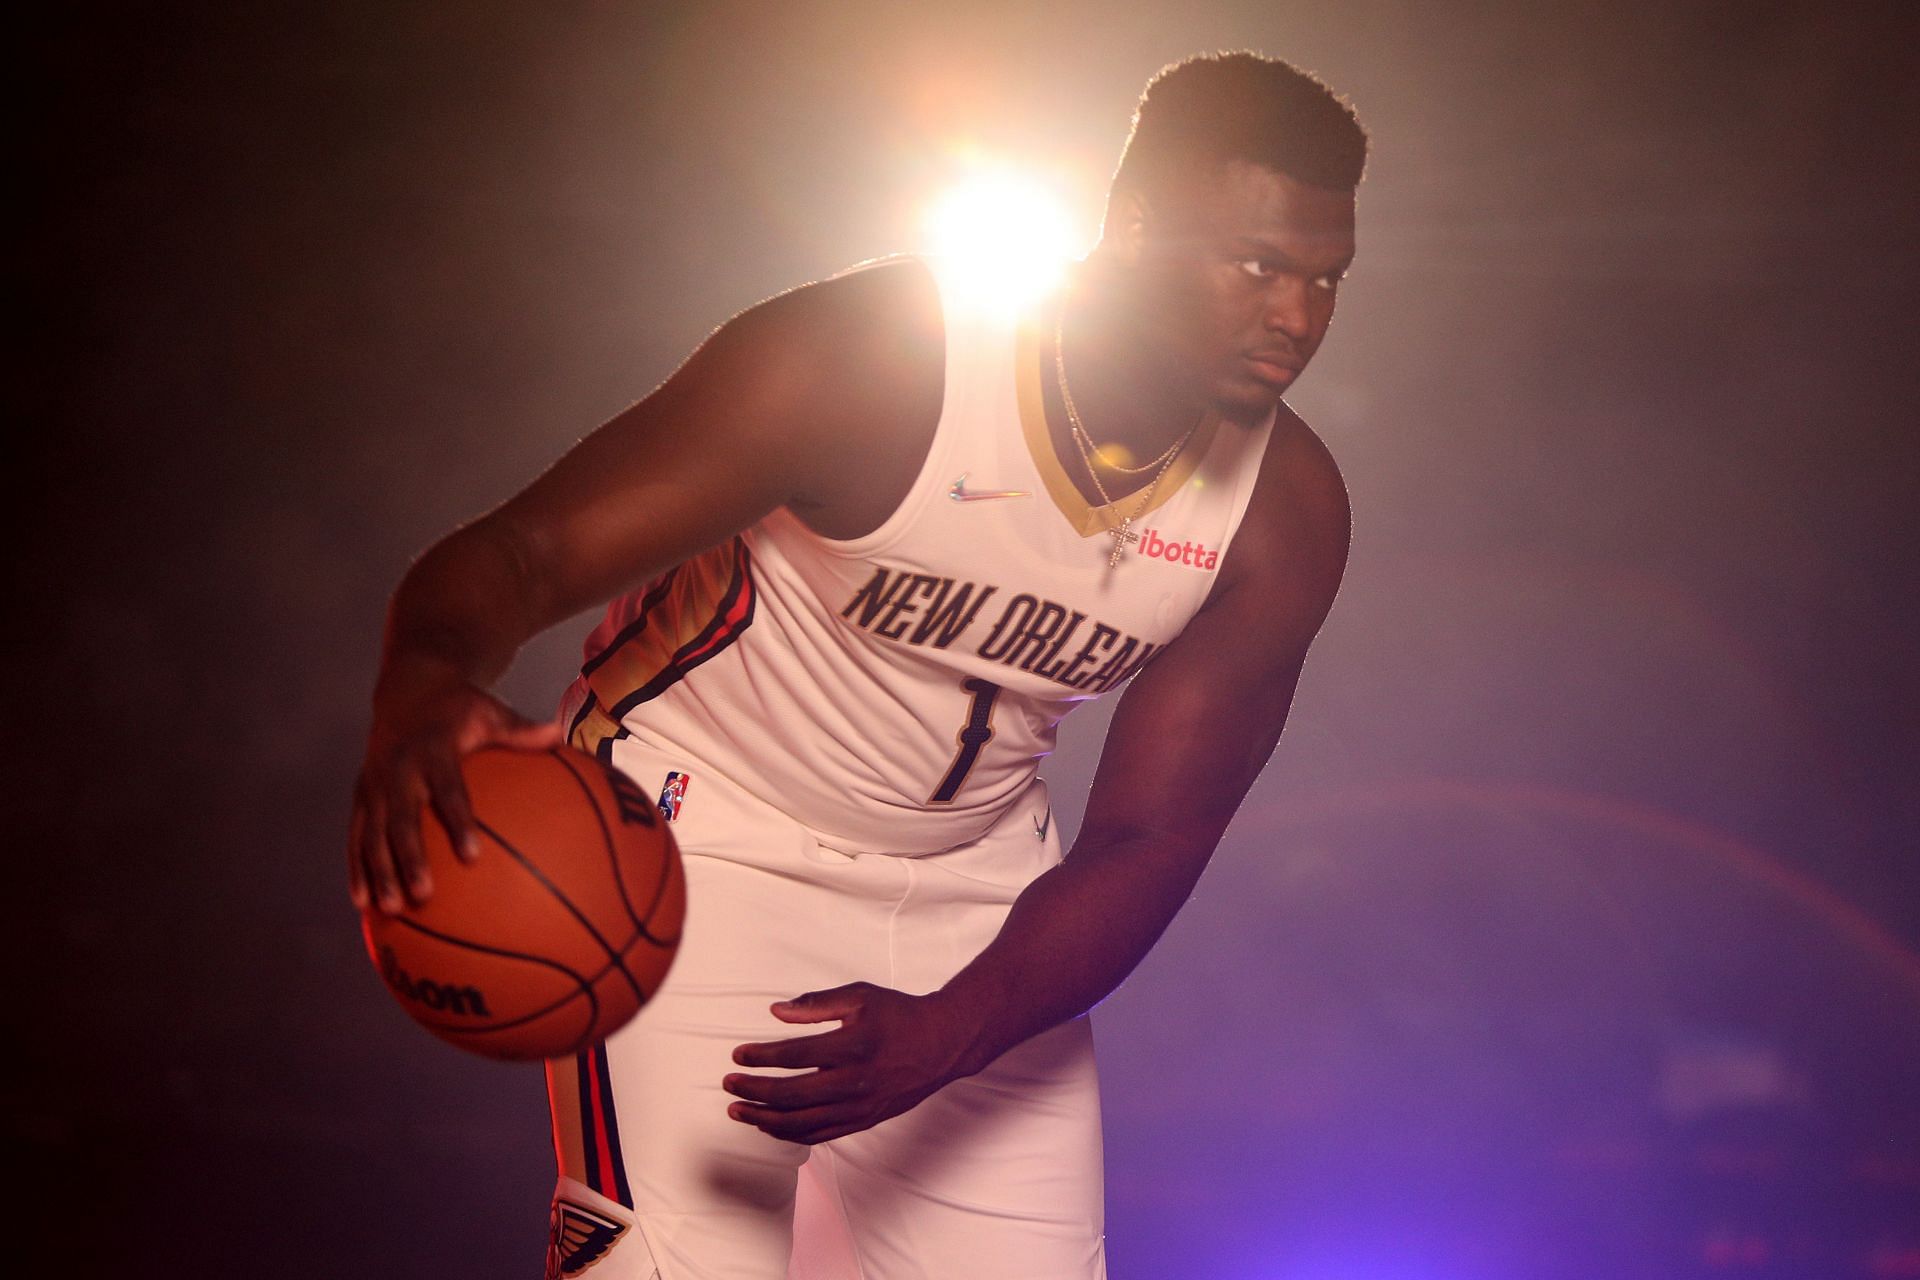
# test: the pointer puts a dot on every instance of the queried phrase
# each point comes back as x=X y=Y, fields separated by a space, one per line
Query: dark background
x=1572 y=932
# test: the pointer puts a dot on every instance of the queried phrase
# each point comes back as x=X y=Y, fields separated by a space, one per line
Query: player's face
x=1244 y=272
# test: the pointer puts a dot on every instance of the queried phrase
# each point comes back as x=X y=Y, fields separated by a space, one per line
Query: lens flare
x=999 y=238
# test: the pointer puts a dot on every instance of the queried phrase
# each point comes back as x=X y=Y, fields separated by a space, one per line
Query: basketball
x=561 y=929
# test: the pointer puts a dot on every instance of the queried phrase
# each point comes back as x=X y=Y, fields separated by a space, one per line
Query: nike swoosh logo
x=960 y=493
x=1040 y=826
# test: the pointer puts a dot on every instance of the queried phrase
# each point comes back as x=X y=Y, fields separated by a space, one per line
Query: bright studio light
x=1000 y=239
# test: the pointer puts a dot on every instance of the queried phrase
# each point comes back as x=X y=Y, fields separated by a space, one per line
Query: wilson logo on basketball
x=1191 y=554
x=633 y=803
x=440 y=997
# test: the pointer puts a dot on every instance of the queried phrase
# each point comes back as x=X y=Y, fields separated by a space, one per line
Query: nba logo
x=672 y=795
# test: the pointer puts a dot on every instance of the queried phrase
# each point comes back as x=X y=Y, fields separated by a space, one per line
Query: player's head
x=1231 y=218
x=1200 y=113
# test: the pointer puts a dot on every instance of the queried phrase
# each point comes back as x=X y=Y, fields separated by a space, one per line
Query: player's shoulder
x=1297 y=527
x=857 y=347
x=872 y=308
x=848 y=371
x=1299 y=465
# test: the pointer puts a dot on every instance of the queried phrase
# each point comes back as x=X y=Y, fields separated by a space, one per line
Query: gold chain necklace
x=1123 y=534
x=1080 y=436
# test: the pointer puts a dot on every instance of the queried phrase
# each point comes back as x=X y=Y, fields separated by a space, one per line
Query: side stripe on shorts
x=586 y=1131
x=606 y=1170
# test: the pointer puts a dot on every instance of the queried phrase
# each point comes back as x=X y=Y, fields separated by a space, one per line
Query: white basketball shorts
x=997 y=1175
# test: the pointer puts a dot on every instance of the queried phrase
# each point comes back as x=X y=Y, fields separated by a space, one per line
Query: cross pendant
x=1121 y=537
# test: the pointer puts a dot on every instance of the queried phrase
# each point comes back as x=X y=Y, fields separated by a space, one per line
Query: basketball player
x=865 y=551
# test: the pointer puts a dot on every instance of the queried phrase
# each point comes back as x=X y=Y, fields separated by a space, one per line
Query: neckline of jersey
x=1031 y=352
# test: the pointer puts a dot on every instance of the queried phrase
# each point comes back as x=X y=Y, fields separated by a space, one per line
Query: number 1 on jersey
x=976 y=733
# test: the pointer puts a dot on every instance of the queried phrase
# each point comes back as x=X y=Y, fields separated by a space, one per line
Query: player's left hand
x=890 y=1051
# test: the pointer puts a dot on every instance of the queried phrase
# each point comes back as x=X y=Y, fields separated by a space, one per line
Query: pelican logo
x=578 y=1237
x=468 y=1001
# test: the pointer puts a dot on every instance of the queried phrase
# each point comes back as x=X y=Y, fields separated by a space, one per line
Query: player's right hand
x=425 y=718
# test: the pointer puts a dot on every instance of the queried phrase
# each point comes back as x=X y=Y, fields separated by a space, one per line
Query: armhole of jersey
x=925 y=481
x=1243 y=492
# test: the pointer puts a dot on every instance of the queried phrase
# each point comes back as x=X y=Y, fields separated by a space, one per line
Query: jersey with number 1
x=895 y=693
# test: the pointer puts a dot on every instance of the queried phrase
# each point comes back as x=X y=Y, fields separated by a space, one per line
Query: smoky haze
x=1572 y=931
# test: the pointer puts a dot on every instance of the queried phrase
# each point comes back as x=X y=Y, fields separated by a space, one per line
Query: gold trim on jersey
x=563 y=1099
x=686 y=616
x=1032 y=354
x=592 y=728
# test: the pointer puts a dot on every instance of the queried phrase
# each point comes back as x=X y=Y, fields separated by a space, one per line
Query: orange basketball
x=562 y=928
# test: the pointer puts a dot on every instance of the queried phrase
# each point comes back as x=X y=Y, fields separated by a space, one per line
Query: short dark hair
x=1211 y=108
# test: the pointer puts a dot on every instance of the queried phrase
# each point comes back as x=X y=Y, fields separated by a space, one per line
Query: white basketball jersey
x=895 y=693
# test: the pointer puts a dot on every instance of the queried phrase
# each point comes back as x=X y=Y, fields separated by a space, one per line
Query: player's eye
x=1329 y=281
x=1258 y=268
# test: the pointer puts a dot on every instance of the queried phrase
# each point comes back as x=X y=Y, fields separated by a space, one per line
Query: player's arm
x=768 y=412
x=1191 y=734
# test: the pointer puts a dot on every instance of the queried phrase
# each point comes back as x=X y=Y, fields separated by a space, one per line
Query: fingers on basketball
x=559 y=933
